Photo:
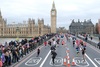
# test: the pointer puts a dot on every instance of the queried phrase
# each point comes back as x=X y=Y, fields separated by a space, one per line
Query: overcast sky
x=19 y=10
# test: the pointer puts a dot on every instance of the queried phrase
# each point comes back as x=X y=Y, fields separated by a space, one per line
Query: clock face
x=53 y=12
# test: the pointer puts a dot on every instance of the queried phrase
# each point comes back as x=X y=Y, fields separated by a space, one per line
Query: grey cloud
x=19 y=10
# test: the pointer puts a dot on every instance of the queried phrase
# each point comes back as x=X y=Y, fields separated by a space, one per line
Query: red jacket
x=45 y=43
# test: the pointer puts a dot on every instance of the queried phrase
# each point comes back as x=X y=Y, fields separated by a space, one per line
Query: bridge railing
x=88 y=41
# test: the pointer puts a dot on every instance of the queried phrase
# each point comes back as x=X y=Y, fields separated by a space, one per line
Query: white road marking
x=45 y=59
x=97 y=60
x=33 y=60
x=28 y=56
x=94 y=48
x=78 y=61
x=59 y=61
x=91 y=60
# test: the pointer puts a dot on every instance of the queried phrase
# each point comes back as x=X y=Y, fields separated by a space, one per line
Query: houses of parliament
x=30 y=28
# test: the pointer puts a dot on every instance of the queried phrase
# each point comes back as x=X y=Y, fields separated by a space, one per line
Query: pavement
x=95 y=39
x=65 y=53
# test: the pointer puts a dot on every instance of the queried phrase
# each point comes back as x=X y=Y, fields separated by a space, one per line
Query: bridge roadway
x=95 y=39
x=92 y=57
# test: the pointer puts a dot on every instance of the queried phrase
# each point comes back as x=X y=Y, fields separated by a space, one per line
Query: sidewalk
x=95 y=40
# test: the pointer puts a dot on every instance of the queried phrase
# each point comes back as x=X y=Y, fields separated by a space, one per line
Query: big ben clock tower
x=53 y=18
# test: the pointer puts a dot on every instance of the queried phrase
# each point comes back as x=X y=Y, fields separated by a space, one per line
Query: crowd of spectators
x=13 y=51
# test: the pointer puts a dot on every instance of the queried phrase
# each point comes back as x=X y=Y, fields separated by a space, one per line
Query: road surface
x=92 y=57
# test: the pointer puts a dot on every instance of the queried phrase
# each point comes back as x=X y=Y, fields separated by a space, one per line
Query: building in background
x=98 y=27
x=29 y=28
x=53 y=18
x=25 y=29
x=81 y=27
x=61 y=30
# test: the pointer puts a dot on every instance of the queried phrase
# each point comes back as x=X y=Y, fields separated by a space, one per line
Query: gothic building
x=25 y=29
x=53 y=18
x=29 y=28
x=81 y=27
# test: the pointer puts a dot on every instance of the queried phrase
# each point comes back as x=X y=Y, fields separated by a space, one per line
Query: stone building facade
x=53 y=18
x=98 y=27
x=29 y=28
x=81 y=27
x=25 y=29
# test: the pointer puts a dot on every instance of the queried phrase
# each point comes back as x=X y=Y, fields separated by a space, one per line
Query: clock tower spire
x=53 y=5
x=53 y=18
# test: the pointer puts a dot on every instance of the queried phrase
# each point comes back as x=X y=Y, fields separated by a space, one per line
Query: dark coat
x=54 y=54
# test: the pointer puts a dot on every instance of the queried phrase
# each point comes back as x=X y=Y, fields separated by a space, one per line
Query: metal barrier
x=88 y=41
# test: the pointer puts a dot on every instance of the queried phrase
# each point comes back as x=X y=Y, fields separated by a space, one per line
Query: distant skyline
x=19 y=10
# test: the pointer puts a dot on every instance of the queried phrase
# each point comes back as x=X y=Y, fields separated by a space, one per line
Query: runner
x=83 y=48
x=45 y=43
x=38 y=51
x=54 y=54
x=57 y=42
x=63 y=42
x=52 y=48
x=77 y=47
x=49 y=42
x=77 y=50
x=54 y=42
x=73 y=42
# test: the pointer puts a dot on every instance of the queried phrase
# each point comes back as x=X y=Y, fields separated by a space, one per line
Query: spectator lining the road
x=91 y=37
x=13 y=51
x=99 y=38
x=98 y=44
x=1 y=64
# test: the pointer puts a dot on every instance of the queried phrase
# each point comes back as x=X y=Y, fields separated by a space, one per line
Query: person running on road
x=83 y=48
x=52 y=48
x=54 y=43
x=58 y=42
x=38 y=51
x=77 y=50
x=54 y=54
x=73 y=42
x=45 y=43
x=49 y=42
x=63 y=42
x=77 y=47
